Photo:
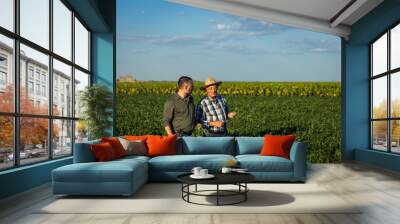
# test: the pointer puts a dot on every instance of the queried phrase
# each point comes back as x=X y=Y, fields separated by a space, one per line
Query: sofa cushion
x=83 y=152
x=276 y=145
x=131 y=158
x=134 y=147
x=116 y=145
x=112 y=171
x=206 y=145
x=185 y=163
x=249 y=145
x=135 y=137
x=103 y=151
x=257 y=163
x=161 y=145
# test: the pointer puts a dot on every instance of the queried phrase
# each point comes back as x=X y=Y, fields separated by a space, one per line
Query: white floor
x=376 y=189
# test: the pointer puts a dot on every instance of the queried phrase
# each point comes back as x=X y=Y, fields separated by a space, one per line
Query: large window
x=385 y=91
x=44 y=64
x=7 y=14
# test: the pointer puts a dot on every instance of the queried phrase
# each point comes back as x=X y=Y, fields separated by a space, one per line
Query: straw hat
x=210 y=82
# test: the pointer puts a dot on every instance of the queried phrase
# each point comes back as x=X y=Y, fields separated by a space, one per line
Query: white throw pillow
x=135 y=147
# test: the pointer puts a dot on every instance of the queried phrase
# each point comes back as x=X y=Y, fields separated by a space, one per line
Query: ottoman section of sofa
x=119 y=177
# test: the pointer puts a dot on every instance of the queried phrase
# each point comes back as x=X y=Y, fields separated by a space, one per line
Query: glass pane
x=81 y=45
x=81 y=131
x=379 y=97
x=34 y=97
x=379 y=135
x=33 y=139
x=81 y=81
x=62 y=138
x=395 y=94
x=6 y=142
x=62 y=89
x=379 y=55
x=7 y=14
x=395 y=47
x=395 y=129
x=62 y=29
x=35 y=21
x=6 y=74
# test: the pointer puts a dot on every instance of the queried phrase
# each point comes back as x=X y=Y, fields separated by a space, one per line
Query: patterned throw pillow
x=134 y=147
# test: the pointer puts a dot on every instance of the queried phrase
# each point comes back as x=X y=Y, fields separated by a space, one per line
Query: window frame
x=388 y=74
x=3 y=70
x=16 y=114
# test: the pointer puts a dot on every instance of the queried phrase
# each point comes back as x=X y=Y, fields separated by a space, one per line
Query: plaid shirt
x=212 y=110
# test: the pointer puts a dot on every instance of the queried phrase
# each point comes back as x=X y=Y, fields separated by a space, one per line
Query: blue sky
x=159 y=40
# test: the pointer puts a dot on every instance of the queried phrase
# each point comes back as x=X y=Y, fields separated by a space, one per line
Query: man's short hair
x=184 y=79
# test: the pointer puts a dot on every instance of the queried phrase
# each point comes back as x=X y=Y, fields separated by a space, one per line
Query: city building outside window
x=31 y=88
x=3 y=78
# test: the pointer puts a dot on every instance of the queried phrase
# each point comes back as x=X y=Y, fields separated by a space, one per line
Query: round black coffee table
x=238 y=179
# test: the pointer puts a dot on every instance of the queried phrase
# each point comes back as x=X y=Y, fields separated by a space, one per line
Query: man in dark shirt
x=179 y=110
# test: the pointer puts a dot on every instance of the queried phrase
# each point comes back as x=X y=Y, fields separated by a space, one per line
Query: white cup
x=226 y=170
x=196 y=171
x=203 y=172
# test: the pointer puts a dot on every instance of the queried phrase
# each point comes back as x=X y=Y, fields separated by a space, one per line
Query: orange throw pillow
x=135 y=137
x=103 y=152
x=275 y=145
x=116 y=145
x=161 y=145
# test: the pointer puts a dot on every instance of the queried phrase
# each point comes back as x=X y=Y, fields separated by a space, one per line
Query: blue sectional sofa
x=125 y=176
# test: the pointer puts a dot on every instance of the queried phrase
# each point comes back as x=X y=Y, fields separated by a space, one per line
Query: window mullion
x=370 y=98
x=73 y=82
x=16 y=85
x=50 y=81
x=389 y=106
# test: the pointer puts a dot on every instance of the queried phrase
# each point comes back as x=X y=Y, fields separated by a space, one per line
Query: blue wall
x=102 y=62
x=24 y=178
x=355 y=83
x=99 y=15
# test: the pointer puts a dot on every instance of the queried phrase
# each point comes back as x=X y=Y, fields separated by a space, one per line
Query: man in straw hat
x=212 y=111
x=179 y=109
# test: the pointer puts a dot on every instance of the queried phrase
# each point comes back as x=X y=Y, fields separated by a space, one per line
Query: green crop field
x=311 y=111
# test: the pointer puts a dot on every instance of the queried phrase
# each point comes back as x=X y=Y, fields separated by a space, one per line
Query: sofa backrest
x=249 y=145
x=83 y=152
x=190 y=146
x=206 y=145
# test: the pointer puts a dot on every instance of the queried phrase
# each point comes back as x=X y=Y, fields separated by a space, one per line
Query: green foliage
x=323 y=89
x=314 y=120
x=96 y=102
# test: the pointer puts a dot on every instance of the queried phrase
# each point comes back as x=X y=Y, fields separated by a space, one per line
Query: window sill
x=26 y=167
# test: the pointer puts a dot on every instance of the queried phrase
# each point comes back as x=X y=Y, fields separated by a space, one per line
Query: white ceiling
x=321 y=9
x=327 y=16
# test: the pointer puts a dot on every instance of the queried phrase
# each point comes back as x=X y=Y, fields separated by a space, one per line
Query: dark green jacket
x=179 y=114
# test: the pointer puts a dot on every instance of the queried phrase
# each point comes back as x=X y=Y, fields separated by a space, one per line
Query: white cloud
x=221 y=26
x=318 y=49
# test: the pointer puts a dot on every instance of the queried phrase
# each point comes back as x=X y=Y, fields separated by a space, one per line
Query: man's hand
x=217 y=123
x=168 y=129
x=231 y=114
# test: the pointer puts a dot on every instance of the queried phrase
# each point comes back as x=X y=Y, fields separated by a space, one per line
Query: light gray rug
x=166 y=198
